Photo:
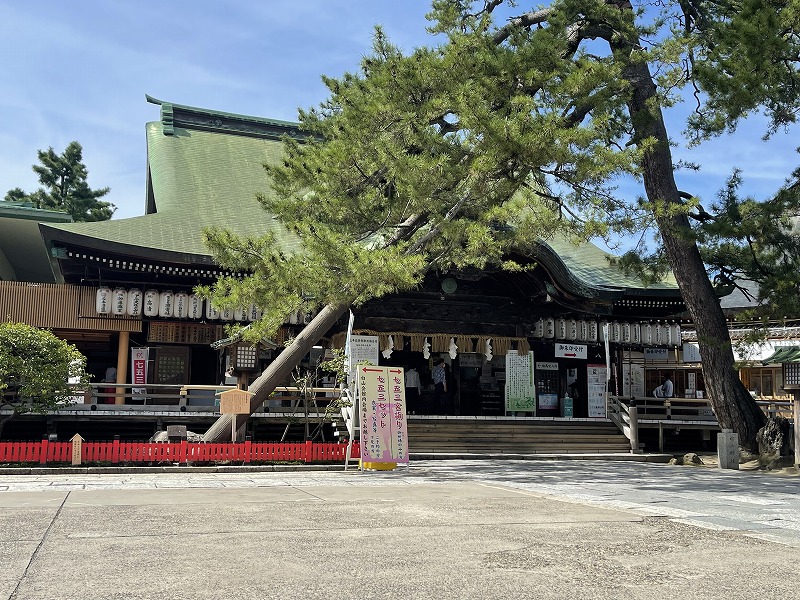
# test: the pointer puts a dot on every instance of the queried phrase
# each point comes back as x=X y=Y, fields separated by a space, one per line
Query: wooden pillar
x=122 y=365
x=633 y=414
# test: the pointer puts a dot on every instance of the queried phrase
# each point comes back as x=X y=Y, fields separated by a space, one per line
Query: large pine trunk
x=277 y=372
x=733 y=405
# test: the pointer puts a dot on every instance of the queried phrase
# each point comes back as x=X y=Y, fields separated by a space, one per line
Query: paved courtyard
x=445 y=529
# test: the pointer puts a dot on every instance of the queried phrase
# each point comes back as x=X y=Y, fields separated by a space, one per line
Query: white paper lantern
x=583 y=330
x=253 y=313
x=135 y=299
x=616 y=332
x=572 y=329
x=626 y=333
x=293 y=318
x=119 y=301
x=226 y=314
x=239 y=314
x=181 y=305
x=166 y=304
x=676 y=334
x=592 y=335
x=103 y=301
x=647 y=334
x=549 y=328
x=561 y=329
x=212 y=314
x=538 y=329
x=195 y=310
x=604 y=332
x=658 y=334
x=151 y=299
x=636 y=333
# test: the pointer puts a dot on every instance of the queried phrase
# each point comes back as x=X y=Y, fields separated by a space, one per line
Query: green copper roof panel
x=199 y=179
x=590 y=265
x=784 y=354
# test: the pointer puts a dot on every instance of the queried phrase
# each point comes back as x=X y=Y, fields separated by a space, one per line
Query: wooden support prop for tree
x=278 y=371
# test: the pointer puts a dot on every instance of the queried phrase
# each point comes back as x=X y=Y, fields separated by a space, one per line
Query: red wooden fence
x=117 y=452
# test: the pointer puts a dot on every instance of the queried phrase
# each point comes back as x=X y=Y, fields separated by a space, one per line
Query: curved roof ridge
x=193 y=117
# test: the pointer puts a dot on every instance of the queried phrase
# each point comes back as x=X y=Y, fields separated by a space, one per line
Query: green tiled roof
x=784 y=354
x=590 y=265
x=199 y=178
x=206 y=167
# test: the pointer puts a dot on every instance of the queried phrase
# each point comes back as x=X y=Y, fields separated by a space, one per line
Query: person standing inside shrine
x=413 y=385
x=440 y=384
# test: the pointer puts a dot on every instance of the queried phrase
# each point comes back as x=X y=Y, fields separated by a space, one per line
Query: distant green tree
x=38 y=371
x=64 y=187
x=15 y=195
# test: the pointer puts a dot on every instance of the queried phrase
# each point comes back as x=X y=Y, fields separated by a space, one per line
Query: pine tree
x=512 y=132
x=64 y=186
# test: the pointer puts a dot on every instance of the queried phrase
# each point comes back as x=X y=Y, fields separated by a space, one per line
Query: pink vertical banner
x=139 y=360
x=384 y=430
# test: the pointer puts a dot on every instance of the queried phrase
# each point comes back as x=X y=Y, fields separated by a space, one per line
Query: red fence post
x=184 y=453
x=115 y=451
x=43 y=451
x=247 y=449
x=309 y=453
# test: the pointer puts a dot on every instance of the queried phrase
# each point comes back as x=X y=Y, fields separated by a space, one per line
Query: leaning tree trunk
x=278 y=370
x=733 y=405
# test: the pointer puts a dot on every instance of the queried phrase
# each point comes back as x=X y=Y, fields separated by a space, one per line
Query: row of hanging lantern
x=640 y=334
x=152 y=303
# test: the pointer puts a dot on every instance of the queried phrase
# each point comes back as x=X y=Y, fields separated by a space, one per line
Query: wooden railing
x=626 y=418
x=118 y=452
x=632 y=413
x=190 y=397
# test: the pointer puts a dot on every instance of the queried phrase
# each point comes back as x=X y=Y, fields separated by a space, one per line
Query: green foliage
x=752 y=242
x=511 y=130
x=64 y=187
x=36 y=367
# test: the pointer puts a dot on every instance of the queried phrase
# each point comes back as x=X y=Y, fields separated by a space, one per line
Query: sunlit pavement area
x=446 y=529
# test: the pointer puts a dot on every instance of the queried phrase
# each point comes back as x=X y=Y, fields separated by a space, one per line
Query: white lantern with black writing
x=212 y=314
x=151 y=300
x=538 y=329
x=103 y=301
x=626 y=333
x=647 y=334
x=166 y=304
x=119 y=301
x=135 y=298
x=592 y=336
x=583 y=330
x=549 y=328
x=226 y=314
x=616 y=332
x=253 y=313
x=561 y=329
x=572 y=329
x=195 y=310
x=181 y=305
x=239 y=313
x=636 y=334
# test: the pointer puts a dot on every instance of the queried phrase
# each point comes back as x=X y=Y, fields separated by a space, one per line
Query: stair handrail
x=626 y=417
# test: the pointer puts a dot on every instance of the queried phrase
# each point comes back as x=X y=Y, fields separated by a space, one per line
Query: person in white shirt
x=413 y=385
x=666 y=389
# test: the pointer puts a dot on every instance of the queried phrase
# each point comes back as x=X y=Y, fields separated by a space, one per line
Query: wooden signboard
x=234 y=402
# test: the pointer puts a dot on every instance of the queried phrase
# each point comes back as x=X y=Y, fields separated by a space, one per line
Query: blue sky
x=79 y=70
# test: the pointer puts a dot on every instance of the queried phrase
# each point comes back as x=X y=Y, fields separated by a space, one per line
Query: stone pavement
x=445 y=529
